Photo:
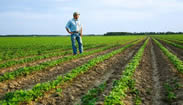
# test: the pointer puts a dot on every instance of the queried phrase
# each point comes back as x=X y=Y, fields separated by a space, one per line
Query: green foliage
x=173 y=58
x=169 y=92
x=174 y=38
x=172 y=43
x=16 y=47
x=122 y=85
x=44 y=65
x=39 y=89
x=35 y=58
x=91 y=97
x=170 y=89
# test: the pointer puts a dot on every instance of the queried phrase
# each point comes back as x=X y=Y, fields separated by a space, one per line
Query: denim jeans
x=76 y=37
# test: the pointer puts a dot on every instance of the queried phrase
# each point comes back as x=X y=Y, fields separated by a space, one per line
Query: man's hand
x=70 y=32
x=81 y=34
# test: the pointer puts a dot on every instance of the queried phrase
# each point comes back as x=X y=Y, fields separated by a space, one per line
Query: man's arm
x=81 y=32
x=67 y=27
x=69 y=31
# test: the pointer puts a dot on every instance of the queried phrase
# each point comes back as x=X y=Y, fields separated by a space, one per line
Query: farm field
x=113 y=70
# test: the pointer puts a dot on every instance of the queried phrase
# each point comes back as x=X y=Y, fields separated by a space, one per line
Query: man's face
x=76 y=17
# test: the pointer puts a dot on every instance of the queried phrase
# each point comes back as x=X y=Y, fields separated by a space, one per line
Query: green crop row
x=31 y=59
x=44 y=65
x=121 y=86
x=173 y=58
x=172 y=43
x=14 y=98
x=176 y=38
x=16 y=47
x=170 y=87
x=91 y=97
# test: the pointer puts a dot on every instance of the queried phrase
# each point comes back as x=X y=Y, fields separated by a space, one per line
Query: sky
x=97 y=16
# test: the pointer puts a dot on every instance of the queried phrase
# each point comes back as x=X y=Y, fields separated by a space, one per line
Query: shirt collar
x=74 y=19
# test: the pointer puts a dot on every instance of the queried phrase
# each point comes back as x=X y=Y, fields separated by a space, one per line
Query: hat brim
x=76 y=14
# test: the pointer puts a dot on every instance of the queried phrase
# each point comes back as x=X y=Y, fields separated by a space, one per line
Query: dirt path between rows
x=177 y=51
x=143 y=80
x=27 y=82
x=73 y=90
x=29 y=56
x=15 y=67
x=177 y=42
x=154 y=71
x=167 y=73
x=114 y=73
x=156 y=77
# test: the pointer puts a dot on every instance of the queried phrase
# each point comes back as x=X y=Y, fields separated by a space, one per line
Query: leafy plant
x=173 y=58
x=122 y=85
x=44 y=65
x=172 y=43
x=39 y=89
x=35 y=58
x=91 y=97
x=169 y=92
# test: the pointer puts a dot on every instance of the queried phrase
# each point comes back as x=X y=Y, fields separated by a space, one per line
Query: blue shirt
x=74 y=25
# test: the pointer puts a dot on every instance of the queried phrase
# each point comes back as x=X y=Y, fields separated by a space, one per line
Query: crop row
x=35 y=58
x=16 y=47
x=91 y=97
x=175 y=38
x=12 y=53
x=121 y=86
x=173 y=58
x=29 y=69
x=38 y=90
x=172 y=43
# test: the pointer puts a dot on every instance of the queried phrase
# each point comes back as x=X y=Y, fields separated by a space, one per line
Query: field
x=113 y=70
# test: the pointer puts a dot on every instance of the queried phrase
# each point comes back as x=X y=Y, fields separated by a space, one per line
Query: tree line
x=140 y=33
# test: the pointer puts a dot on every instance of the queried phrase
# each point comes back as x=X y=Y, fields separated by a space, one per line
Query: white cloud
x=130 y=10
x=155 y=5
x=126 y=3
x=96 y=15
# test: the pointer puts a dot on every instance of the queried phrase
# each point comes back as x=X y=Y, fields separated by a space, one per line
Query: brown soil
x=177 y=51
x=144 y=80
x=115 y=72
x=154 y=71
x=26 y=82
x=73 y=90
x=180 y=43
x=20 y=58
x=166 y=73
x=15 y=67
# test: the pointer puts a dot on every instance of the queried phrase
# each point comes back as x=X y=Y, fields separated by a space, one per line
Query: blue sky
x=97 y=16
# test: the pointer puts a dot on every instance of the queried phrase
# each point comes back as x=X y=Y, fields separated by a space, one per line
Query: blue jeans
x=77 y=37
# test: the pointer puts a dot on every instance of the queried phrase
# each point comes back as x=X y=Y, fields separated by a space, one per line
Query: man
x=74 y=28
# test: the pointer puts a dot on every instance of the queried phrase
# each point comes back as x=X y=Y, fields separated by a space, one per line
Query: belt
x=75 y=32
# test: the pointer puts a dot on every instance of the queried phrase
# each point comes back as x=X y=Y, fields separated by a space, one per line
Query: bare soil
x=177 y=51
x=143 y=80
x=167 y=73
x=75 y=89
x=15 y=67
x=28 y=81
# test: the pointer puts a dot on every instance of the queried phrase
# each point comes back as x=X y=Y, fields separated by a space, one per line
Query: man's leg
x=80 y=43
x=73 y=37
